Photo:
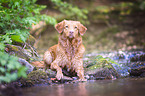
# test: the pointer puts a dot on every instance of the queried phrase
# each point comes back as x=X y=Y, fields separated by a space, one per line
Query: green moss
x=36 y=77
x=15 y=48
x=101 y=67
x=102 y=64
x=99 y=62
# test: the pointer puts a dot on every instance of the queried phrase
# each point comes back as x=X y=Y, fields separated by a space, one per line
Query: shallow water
x=119 y=87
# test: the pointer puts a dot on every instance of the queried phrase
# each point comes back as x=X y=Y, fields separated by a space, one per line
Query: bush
x=16 y=19
x=10 y=69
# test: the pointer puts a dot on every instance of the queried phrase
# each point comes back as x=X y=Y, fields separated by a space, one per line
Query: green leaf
x=10 y=65
x=2 y=24
x=22 y=72
x=3 y=62
x=4 y=78
x=13 y=76
x=16 y=38
x=2 y=46
x=16 y=4
x=2 y=69
x=7 y=39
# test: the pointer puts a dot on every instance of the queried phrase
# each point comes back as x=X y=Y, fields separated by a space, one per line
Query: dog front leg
x=78 y=65
x=54 y=65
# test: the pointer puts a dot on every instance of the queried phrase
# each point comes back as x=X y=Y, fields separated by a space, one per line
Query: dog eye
x=76 y=27
x=66 y=26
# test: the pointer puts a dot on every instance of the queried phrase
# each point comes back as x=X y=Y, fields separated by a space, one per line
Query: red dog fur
x=69 y=50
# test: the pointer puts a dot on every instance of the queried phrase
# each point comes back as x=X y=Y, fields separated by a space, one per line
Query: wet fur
x=68 y=53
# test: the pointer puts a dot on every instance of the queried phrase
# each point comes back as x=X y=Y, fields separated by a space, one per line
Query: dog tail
x=39 y=64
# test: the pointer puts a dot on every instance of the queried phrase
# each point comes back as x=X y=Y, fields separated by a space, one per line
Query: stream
x=126 y=86
x=119 y=87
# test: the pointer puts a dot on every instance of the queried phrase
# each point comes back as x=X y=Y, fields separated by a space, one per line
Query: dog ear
x=82 y=29
x=59 y=26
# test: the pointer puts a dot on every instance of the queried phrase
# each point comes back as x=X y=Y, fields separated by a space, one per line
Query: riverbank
x=117 y=67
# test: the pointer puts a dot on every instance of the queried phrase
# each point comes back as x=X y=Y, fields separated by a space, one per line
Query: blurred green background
x=112 y=24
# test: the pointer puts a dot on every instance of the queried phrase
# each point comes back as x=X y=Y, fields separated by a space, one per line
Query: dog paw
x=59 y=75
x=82 y=79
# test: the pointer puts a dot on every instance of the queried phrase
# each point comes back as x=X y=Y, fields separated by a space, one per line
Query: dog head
x=70 y=28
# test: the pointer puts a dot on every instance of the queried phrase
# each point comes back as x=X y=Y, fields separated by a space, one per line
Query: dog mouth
x=71 y=36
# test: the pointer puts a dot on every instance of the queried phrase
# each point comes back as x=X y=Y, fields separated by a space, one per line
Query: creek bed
x=126 y=86
x=119 y=87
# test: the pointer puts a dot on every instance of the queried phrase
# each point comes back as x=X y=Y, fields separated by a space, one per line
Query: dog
x=69 y=50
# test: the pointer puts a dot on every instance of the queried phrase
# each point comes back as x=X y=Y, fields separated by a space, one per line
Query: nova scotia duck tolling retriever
x=69 y=51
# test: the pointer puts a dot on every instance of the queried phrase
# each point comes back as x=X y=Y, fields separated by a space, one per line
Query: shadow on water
x=120 y=87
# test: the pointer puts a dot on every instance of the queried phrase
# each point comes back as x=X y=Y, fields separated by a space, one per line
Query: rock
x=100 y=69
x=143 y=74
x=51 y=73
x=106 y=73
x=27 y=64
x=67 y=78
x=138 y=69
x=102 y=74
x=18 y=51
x=36 y=77
x=118 y=55
x=28 y=54
x=75 y=78
x=138 y=58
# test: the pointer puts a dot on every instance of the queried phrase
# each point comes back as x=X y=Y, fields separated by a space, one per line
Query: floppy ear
x=59 y=27
x=82 y=29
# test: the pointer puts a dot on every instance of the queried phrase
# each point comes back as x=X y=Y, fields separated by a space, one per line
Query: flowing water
x=123 y=58
x=119 y=87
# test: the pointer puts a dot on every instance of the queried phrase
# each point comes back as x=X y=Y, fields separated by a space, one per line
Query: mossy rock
x=102 y=73
x=106 y=73
x=101 y=68
x=18 y=51
x=36 y=77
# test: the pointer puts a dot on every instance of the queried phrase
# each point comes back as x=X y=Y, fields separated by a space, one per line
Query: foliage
x=10 y=69
x=17 y=16
x=16 y=19
x=71 y=11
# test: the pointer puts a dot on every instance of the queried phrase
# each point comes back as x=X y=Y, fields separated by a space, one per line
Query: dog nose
x=71 y=32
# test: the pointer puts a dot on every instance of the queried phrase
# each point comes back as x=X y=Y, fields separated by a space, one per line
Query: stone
x=36 y=77
x=27 y=64
x=100 y=69
x=138 y=69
